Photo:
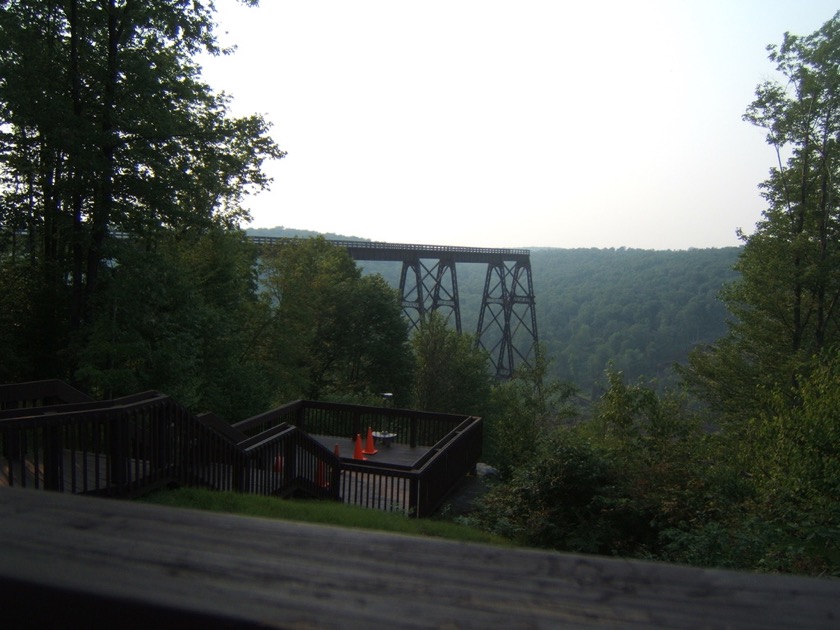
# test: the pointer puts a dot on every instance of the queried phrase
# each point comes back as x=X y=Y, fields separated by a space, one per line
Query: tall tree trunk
x=77 y=236
x=824 y=209
x=104 y=199
x=798 y=229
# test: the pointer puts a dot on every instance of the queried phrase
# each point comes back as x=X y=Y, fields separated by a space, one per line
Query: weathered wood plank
x=65 y=558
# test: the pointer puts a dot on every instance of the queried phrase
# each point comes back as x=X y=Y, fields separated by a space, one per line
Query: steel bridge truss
x=507 y=322
x=425 y=288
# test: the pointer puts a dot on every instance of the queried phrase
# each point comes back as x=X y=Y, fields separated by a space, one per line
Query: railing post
x=300 y=419
x=414 y=496
x=245 y=463
x=11 y=445
x=357 y=424
x=290 y=463
x=53 y=458
x=335 y=480
x=117 y=461
x=412 y=441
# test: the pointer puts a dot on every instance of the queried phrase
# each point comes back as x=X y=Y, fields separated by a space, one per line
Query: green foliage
x=147 y=332
x=640 y=310
x=576 y=496
x=331 y=333
x=779 y=473
x=793 y=453
x=523 y=410
x=451 y=374
x=627 y=482
x=773 y=378
x=107 y=128
x=364 y=348
x=736 y=543
x=644 y=478
x=20 y=352
x=554 y=500
x=637 y=417
x=682 y=477
x=785 y=302
x=179 y=319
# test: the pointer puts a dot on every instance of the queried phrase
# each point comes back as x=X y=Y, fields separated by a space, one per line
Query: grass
x=322 y=512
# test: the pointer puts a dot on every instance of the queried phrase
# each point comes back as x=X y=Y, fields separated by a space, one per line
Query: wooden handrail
x=72 y=561
x=128 y=444
x=58 y=391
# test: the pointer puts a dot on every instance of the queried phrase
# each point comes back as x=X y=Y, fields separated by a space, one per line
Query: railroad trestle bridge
x=507 y=320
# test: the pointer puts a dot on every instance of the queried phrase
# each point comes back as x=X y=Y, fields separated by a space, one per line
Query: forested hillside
x=640 y=310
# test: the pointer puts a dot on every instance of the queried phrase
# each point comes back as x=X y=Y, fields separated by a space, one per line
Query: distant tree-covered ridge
x=284 y=232
x=640 y=310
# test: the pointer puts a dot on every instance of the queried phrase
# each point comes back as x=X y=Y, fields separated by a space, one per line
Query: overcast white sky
x=523 y=123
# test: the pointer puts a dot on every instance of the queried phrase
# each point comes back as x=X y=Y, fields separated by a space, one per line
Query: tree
x=524 y=409
x=555 y=499
x=106 y=128
x=785 y=304
x=638 y=479
x=452 y=374
x=178 y=319
x=332 y=333
x=793 y=454
x=364 y=349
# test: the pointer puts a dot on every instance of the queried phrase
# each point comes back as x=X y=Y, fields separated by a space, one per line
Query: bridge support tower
x=507 y=321
x=430 y=285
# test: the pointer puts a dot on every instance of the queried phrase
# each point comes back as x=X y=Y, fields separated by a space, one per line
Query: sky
x=527 y=123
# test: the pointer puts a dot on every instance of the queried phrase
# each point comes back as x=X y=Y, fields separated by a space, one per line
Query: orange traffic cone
x=357 y=454
x=370 y=449
x=336 y=451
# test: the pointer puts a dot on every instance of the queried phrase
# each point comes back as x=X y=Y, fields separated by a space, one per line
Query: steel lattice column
x=507 y=324
x=424 y=289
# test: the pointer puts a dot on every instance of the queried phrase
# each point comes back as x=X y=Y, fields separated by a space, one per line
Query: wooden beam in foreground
x=70 y=561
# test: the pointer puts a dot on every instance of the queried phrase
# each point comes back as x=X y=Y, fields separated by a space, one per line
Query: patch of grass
x=323 y=512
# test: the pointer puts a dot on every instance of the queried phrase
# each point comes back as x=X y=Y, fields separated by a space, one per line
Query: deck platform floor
x=393 y=454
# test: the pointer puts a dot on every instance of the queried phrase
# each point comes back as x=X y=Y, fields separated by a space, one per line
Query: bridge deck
x=372 y=250
x=72 y=561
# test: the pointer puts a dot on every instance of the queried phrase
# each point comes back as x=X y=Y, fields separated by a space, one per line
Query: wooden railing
x=129 y=445
x=454 y=456
x=75 y=562
x=413 y=428
x=418 y=489
x=126 y=446
x=39 y=394
x=113 y=447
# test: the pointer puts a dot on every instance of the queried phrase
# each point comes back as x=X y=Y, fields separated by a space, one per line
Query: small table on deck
x=386 y=438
